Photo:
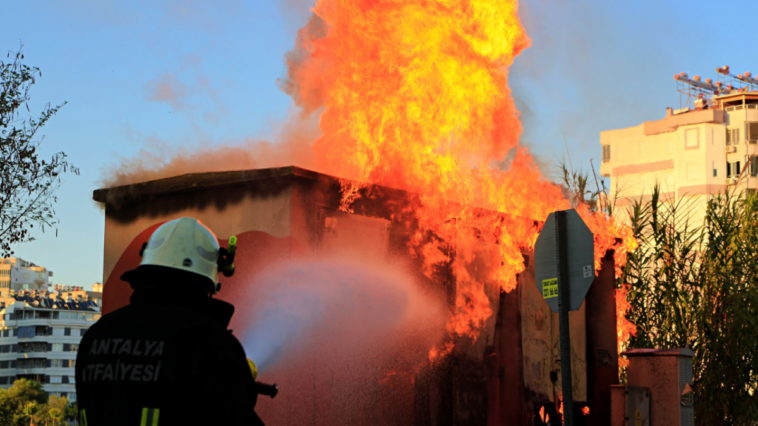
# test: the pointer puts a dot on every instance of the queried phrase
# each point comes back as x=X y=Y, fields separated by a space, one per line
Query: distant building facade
x=692 y=154
x=40 y=334
x=18 y=274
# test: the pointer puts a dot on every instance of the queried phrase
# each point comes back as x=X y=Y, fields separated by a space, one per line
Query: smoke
x=169 y=89
x=197 y=97
x=334 y=304
x=594 y=66
x=157 y=159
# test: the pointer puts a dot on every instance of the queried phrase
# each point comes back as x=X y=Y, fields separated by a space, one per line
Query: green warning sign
x=550 y=288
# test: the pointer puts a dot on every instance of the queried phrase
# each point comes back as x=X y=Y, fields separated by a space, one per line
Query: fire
x=545 y=417
x=624 y=327
x=586 y=411
x=414 y=94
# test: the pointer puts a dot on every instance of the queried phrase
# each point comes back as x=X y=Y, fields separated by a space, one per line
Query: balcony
x=30 y=363
x=34 y=347
x=31 y=331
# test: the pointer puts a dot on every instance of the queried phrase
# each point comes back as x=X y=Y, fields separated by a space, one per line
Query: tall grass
x=697 y=285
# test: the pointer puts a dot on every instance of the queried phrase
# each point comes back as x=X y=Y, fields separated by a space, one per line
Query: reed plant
x=694 y=283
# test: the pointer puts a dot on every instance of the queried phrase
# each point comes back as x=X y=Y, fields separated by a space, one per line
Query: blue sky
x=593 y=65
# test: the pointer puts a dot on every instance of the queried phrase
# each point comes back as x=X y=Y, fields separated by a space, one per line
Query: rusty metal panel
x=661 y=370
x=481 y=267
x=618 y=405
x=348 y=235
x=630 y=406
x=602 y=344
x=541 y=345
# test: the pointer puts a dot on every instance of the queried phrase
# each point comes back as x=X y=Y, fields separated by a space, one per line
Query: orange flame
x=415 y=96
x=586 y=411
x=545 y=417
x=624 y=326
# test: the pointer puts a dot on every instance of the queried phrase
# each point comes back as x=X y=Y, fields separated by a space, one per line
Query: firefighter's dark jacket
x=173 y=355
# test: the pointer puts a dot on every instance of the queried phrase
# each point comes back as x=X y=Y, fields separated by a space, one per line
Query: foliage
x=577 y=182
x=27 y=183
x=25 y=403
x=20 y=402
x=696 y=285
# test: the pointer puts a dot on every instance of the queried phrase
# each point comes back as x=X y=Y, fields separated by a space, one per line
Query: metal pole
x=563 y=310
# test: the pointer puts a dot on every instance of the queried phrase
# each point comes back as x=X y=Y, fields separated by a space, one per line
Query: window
x=67 y=331
x=57 y=347
x=4 y=364
x=715 y=170
x=24 y=332
x=42 y=314
x=733 y=169
x=56 y=363
x=56 y=379
x=732 y=136
x=82 y=331
x=606 y=153
x=72 y=363
x=752 y=132
x=753 y=166
x=74 y=347
x=692 y=139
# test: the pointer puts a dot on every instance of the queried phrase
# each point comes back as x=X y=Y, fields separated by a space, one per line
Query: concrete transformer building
x=279 y=215
x=692 y=153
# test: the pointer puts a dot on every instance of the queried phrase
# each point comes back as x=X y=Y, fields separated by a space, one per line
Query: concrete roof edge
x=660 y=352
x=192 y=181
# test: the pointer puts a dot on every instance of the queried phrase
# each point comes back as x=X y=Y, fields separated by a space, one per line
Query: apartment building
x=692 y=153
x=39 y=337
x=18 y=274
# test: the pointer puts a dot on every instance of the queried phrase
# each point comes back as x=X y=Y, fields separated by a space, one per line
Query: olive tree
x=27 y=182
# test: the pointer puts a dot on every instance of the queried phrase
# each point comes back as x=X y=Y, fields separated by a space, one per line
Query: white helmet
x=184 y=244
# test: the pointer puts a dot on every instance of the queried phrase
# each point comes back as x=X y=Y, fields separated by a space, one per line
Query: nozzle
x=232 y=245
x=226 y=259
x=266 y=389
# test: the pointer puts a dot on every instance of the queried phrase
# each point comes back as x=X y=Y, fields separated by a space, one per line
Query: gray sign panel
x=580 y=245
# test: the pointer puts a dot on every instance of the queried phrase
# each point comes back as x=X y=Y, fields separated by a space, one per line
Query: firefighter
x=167 y=358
